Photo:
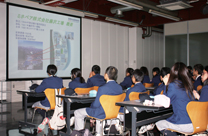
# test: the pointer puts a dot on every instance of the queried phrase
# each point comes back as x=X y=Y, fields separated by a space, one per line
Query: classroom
x=120 y=33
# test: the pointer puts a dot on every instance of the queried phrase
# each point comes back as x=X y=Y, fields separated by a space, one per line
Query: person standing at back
x=197 y=72
x=95 y=79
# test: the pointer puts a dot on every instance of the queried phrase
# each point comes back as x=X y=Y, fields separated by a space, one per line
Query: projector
x=174 y=4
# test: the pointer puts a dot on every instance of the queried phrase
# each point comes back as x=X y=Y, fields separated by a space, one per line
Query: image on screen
x=37 y=38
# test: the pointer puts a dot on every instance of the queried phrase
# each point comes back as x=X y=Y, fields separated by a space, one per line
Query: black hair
x=130 y=71
x=199 y=68
x=112 y=72
x=51 y=69
x=157 y=70
x=206 y=81
x=164 y=71
x=96 y=69
x=144 y=70
x=76 y=72
x=138 y=74
x=180 y=75
x=189 y=67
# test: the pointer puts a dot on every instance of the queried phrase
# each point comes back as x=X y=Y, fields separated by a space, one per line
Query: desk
x=27 y=93
x=136 y=107
x=69 y=100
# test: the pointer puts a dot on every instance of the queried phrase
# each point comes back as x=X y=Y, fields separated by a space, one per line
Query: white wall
x=104 y=44
x=147 y=52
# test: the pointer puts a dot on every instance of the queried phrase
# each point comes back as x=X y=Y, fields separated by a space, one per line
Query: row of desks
x=134 y=107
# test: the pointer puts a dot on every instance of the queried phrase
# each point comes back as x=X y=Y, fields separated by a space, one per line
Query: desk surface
x=137 y=103
x=150 y=88
x=86 y=96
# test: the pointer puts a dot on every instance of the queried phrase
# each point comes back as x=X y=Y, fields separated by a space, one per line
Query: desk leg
x=25 y=107
x=133 y=123
x=68 y=116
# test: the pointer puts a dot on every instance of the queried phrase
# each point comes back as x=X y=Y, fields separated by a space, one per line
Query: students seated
x=95 y=79
x=204 y=91
x=146 y=75
x=137 y=77
x=96 y=110
x=77 y=79
x=51 y=82
x=156 y=76
x=165 y=71
x=179 y=90
x=127 y=82
x=198 y=69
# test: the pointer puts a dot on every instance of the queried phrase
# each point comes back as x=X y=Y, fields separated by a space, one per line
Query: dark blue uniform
x=156 y=80
x=76 y=83
x=146 y=79
x=197 y=82
x=96 y=80
x=127 y=82
x=204 y=94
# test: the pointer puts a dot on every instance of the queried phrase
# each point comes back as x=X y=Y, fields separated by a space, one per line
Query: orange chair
x=197 y=112
x=95 y=88
x=162 y=92
x=110 y=108
x=159 y=84
x=135 y=95
x=51 y=96
x=148 y=84
x=132 y=85
x=199 y=87
x=85 y=90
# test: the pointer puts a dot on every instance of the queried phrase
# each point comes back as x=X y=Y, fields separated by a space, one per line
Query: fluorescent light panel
x=164 y=15
x=121 y=21
x=128 y=4
x=91 y=15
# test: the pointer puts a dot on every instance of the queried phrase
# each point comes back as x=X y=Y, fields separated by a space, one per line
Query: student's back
x=138 y=87
x=156 y=80
x=77 y=84
x=127 y=82
x=146 y=79
x=96 y=80
x=159 y=89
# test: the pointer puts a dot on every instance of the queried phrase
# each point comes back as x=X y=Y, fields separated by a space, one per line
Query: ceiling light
x=175 y=5
x=91 y=15
x=128 y=4
x=121 y=21
x=164 y=15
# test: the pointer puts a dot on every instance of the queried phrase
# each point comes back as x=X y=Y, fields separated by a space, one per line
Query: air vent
x=174 y=4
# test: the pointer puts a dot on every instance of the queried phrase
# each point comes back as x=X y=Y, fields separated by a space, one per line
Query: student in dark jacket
x=146 y=78
x=198 y=69
x=137 y=77
x=95 y=79
x=127 y=82
x=96 y=110
x=203 y=97
x=156 y=76
x=179 y=90
x=163 y=74
x=77 y=79
x=51 y=82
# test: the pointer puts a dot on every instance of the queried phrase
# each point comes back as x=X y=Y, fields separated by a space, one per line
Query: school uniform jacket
x=76 y=83
x=204 y=94
x=139 y=87
x=159 y=89
x=156 y=80
x=96 y=80
x=50 y=82
x=146 y=79
x=179 y=100
x=110 y=88
x=127 y=82
x=197 y=82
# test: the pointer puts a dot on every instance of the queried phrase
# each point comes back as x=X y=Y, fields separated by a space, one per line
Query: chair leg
x=110 y=127
x=33 y=115
x=102 y=129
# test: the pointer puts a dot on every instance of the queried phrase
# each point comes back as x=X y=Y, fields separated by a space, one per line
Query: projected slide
x=38 y=38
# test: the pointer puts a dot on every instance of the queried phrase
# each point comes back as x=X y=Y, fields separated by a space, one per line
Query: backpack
x=57 y=121
x=83 y=132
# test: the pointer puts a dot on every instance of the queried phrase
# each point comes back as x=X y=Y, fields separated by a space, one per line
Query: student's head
x=155 y=71
x=129 y=71
x=164 y=72
x=198 y=69
x=76 y=72
x=51 y=69
x=111 y=73
x=96 y=69
x=137 y=76
x=144 y=70
x=204 y=76
x=190 y=68
x=179 y=73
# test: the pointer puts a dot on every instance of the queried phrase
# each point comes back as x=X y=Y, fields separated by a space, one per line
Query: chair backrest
x=132 y=85
x=108 y=103
x=198 y=113
x=162 y=92
x=51 y=96
x=159 y=84
x=135 y=95
x=199 y=87
x=95 y=88
x=83 y=90
x=148 y=84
